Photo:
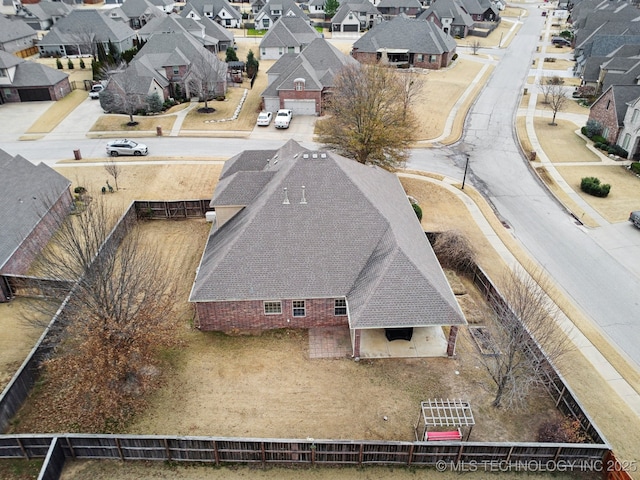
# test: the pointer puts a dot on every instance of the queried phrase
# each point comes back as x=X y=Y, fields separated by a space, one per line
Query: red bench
x=453 y=435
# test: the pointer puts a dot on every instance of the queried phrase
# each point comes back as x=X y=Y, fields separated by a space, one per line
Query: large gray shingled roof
x=417 y=36
x=355 y=237
x=27 y=191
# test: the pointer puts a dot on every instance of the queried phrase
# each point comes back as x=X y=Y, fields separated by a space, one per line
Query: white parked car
x=283 y=118
x=264 y=119
x=126 y=147
x=94 y=93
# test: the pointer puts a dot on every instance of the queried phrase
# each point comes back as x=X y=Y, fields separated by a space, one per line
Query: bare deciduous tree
x=547 y=85
x=475 y=46
x=515 y=367
x=367 y=120
x=113 y=168
x=557 y=101
x=206 y=74
x=116 y=319
x=411 y=84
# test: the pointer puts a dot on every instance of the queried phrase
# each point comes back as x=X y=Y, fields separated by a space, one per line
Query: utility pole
x=464 y=177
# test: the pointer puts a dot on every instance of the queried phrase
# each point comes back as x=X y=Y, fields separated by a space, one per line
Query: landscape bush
x=59 y=64
x=591 y=129
x=592 y=186
x=82 y=65
x=454 y=251
x=70 y=64
x=600 y=139
x=418 y=210
x=635 y=167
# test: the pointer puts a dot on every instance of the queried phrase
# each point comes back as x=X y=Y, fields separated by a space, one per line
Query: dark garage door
x=34 y=94
x=351 y=28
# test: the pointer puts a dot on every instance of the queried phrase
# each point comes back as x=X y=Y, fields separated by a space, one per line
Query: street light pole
x=464 y=177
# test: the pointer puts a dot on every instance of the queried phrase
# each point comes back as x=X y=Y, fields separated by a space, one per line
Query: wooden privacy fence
x=562 y=395
x=173 y=209
x=216 y=450
x=266 y=452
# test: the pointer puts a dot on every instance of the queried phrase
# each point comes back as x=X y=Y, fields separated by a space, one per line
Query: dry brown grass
x=118 y=123
x=17 y=339
x=560 y=143
x=558 y=64
x=572 y=106
x=441 y=91
x=625 y=189
x=523 y=138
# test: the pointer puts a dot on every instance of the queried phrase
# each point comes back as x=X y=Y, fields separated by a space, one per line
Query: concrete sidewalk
x=600 y=364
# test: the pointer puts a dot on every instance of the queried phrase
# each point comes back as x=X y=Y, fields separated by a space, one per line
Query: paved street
x=602 y=287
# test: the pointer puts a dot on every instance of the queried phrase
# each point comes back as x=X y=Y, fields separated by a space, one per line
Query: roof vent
x=303 y=201
x=268 y=165
x=323 y=155
x=286 y=197
x=305 y=155
x=314 y=155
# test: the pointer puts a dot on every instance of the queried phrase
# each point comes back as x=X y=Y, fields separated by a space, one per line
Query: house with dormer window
x=275 y=9
x=302 y=82
x=220 y=11
x=307 y=239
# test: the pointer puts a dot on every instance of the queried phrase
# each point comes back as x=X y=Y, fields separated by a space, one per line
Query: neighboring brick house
x=288 y=35
x=34 y=200
x=391 y=8
x=450 y=16
x=406 y=42
x=81 y=30
x=302 y=82
x=611 y=107
x=25 y=81
x=16 y=36
x=213 y=36
x=169 y=63
x=306 y=239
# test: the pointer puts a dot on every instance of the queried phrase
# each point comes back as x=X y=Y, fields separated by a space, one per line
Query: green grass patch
x=252 y=32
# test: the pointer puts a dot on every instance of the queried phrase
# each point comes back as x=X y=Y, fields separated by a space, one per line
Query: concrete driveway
x=18 y=117
x=300 y=129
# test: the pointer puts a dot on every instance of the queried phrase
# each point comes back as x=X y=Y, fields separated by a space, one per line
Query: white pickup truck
x=283 y=118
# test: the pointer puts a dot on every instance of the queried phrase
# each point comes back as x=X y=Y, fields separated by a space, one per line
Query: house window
x=298 y=84
x=419 y=57
x=608 y=105
x=263 y=52
x=227 y=22
x=605 y=132
x=299 y=309
x=340 y=307
x=627 y=140
x=176 y=70
x=265 y=22
x=634 y=117
x=272 y=308
x=4 y=72
x=432 y=59
x=291 y=50
x=279 y=50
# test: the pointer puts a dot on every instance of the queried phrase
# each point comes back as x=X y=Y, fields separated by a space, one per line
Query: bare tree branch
x=527 y=316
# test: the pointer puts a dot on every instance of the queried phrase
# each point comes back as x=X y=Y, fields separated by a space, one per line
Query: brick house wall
x=604 y=111
x=33 y=244
x=302 y=95
x=440 y=60
x=249 y=316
